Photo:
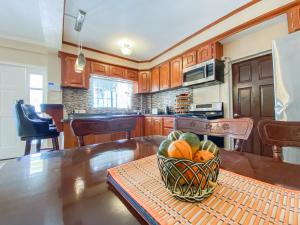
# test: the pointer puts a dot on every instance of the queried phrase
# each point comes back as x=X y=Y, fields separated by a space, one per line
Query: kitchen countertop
x=111 y=116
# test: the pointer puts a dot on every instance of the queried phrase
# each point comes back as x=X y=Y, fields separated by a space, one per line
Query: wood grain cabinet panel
x=117 y=71
x=176 y=72
x=189 y=59
x=69 y=77
x=148 y=126
x=144 y=81
x=99 y=68
x=157 y=125
x=132 y=75
x=204 y=53
x=293 y=17
x=155 y=79
x=164 y=76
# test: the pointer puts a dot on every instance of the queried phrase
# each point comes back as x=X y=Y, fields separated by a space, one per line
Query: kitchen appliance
x=286 y=58
x=208 y=111
x=211 y=71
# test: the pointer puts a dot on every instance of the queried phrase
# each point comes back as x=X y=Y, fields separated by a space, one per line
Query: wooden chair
x=279 y=134
x=83 y=127
x=239 y=129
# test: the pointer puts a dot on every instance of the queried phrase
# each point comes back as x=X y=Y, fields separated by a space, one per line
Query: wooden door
x=69 y=77
x=155 y=79
x=144 y=81
x=189 y=59
x=148 y=126
x=204 y=53
x=164 y=76
x=157 y=126
x=253 y=96
x=176 y=72
x=293 y=17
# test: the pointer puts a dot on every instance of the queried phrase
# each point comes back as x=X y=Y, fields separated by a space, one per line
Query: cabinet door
x=139 y=128
x=144 y=81
x=293 y=16
x=205 y=53
x=167 y=131
x=189 y=59
x=176 y=72
x=148 y=126
x=131 y=75
x=164 y=76
x=157 y=126
x=99 y=68
x=69 y=77
x=155 y=79
x=117 y=71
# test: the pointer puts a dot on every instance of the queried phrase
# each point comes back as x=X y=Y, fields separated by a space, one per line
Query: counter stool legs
x=55 y=143
x=27 y=147
x=38 y=146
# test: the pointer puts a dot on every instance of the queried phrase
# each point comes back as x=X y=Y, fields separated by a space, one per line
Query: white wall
x=33 y=55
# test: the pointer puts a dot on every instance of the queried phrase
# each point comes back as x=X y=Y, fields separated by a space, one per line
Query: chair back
x=239 y=129
x=279 y=134
x=83 y=127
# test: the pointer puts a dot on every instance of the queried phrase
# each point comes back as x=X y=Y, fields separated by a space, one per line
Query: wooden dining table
x=70 y=187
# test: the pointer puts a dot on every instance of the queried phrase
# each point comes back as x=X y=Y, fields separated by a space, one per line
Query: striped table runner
x=236 y=200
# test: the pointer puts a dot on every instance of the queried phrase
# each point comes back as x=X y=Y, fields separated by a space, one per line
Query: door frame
x=230 y=83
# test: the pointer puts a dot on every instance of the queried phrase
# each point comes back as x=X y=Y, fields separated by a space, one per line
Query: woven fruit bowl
x=188 y=177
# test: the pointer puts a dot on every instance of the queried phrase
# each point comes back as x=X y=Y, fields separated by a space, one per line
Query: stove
x=209 y=111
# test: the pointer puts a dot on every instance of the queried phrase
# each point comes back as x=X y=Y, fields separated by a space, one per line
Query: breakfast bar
x=70 y=186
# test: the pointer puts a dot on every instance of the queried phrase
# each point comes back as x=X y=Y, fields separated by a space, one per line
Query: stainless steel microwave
x=211 y=71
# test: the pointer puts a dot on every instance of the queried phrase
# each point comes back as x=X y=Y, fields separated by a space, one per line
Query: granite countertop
x=109 y=116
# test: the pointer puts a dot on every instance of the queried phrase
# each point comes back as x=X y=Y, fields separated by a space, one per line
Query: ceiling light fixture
x=79 y=20
x=126 y=46
x=80 y=61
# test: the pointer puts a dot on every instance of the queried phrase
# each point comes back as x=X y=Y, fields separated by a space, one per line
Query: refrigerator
x=286 y=66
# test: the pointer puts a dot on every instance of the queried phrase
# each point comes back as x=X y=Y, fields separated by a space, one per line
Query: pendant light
x=80 y=61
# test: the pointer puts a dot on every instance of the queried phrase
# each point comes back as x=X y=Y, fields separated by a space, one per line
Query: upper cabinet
x=117 y=71
x=68 y=75
x=293 y=16
x=189 y=59
x=209 y=51
x=155 y=79
x=164 y=76
x=131 y=75
x=144 y=81
x=99 y=68
x=176 y=72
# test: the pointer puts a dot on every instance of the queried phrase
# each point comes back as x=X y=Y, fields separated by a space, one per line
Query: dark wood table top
x=69 y=187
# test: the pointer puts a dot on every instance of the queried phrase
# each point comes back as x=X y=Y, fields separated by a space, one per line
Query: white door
x=13 y=86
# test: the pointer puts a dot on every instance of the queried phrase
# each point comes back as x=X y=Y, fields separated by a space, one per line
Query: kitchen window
x=111 y=92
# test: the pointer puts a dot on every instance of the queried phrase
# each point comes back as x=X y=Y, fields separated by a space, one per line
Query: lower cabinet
x=168 y=125
x=157 y=125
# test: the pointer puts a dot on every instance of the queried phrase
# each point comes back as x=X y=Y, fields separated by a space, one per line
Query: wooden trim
x=98 y=61
x=269 y=15
x=102 y=52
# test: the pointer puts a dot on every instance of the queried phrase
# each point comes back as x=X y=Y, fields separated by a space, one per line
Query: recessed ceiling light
x=126 y=46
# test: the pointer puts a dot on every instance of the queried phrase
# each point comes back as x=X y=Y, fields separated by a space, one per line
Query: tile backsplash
x=79 y=99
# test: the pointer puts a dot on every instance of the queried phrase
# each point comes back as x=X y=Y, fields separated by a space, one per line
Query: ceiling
x=32 y=21
x=153 y=26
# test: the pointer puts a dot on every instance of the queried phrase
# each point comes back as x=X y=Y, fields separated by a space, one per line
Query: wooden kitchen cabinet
x=99 y=68
x=164 y=76
x=148 y=126
x=155 y=79
x=293 y=16
x=144 y=81
x=189 y=59
x=69 y=77
x=157 y=125
x=117 y=71
x=204 y=53
x=176 y=72
x=139 y=129
x=168 y=125
x=131 y=75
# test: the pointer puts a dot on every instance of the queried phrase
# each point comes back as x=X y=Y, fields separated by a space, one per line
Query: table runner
x=236 y=200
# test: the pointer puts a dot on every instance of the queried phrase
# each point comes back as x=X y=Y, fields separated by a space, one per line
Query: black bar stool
x=32 y=127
